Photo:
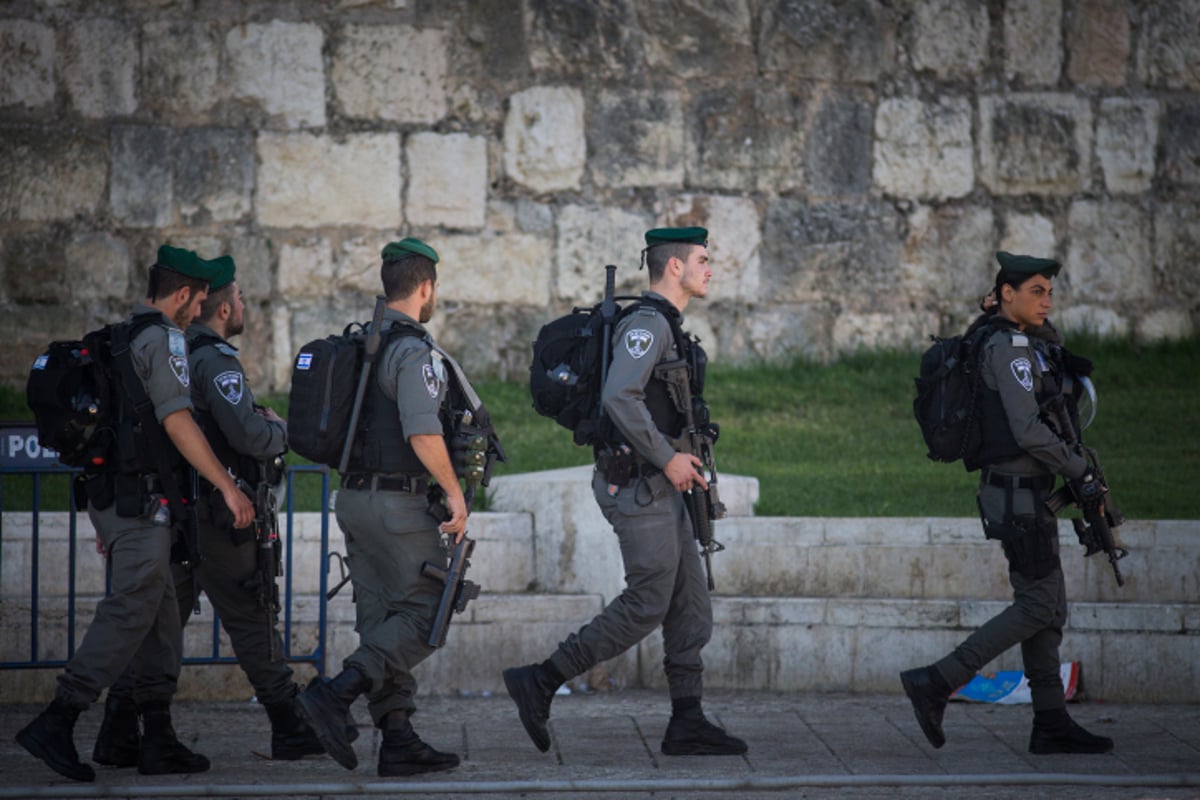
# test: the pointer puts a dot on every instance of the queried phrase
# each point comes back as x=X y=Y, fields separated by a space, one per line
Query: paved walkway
x=606 y=745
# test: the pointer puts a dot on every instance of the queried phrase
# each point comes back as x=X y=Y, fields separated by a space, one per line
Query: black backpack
x=74 y=395
x=949 y=394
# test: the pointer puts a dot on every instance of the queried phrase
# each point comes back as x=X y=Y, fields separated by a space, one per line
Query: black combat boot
x=162 y=753
x=50 y=737
x=325 y=706
x=291 y=737
x=689 y=733
x=532 y=687
x=403 y=752
x=1055 y=732
x=929 y=694
x=118 y=742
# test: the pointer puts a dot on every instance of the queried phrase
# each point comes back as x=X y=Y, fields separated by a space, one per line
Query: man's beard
x=426 y=311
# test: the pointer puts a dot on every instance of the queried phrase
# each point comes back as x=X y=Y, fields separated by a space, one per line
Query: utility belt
x=131 y=493
x=382 y=482
x=622 y=467
x=1029 y=540
x=1036 y=483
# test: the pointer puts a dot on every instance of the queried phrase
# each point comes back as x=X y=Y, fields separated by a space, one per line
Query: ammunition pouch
x=1030 y=541
x=621 y=467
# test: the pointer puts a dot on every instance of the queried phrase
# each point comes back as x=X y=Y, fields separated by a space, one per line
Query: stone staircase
x=801 y=604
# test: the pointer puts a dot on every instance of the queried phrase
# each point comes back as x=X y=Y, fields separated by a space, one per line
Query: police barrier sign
x=20 y=450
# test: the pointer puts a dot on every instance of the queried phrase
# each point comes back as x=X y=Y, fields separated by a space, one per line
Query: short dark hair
x=166 y=282
x=658 y=256
x=1007 y=278
x=402 y=276
x=208 y=308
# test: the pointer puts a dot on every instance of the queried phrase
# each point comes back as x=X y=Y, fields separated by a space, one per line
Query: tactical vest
x=997 y=441
x=379 y=443
x=248 y=468
x=667 y=417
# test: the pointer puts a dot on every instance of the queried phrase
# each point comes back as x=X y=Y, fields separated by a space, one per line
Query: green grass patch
x=839 y=440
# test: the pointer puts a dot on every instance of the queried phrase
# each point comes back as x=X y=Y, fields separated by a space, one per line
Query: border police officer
x=385 y=515
x=665 y=581
x=137 y=625
x=1020 y=454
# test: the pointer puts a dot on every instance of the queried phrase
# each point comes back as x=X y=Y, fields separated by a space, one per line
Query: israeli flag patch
x=41 y=361
x=638 y=342
x=304 y=361
x=1022 y=370
x=230 y=384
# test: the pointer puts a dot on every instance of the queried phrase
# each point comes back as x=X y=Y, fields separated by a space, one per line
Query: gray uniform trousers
x=1035 y=620
x=389 y=536
x=137 y=625
x=664 y=585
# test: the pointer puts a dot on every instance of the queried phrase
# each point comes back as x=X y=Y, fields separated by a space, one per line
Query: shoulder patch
x=638 y=342
x=647 y=311
x=230 y=385
x=177 y=355
x=1020 y=340
x=226 y=349
x=1023 y=372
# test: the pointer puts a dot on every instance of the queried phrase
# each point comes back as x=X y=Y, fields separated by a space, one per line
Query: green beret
x=1028 y=265
x=409 y=247
x=677 y=236
x=185 y=262
x=225 y=269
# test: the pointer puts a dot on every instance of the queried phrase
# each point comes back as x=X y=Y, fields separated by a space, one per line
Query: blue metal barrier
x=21 y=455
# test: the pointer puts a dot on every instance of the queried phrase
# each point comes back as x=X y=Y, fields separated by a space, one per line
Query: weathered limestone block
x=745 y=139
x=279 y=66
x=488 y=340
x=180 y=75
x=305 y=268
x=851 y=42
x=734 y=240
x=447 y=180
x=308 y=181
x=924 y=149
x=947 y=258
x=1180 y=143
x=27 y=329
x=27 y=53
x=590 y=237
x=1176 y=243
x=1098 y=43
x=495 y=269
x=214 y=175
x=679 y=37
x=140 y=191
x=950 y=37
x=817 y=251
x=636 y=139
x=595 y=40
x=777 y=332
x=35 y=268
x=253 y=256
x=1165 y=324
x=98 y=65
x=1029 y=234
x=544 y=146
x=1126 y=134
x=50 y=176
x=1169 y=47
x=867 y=330
x=838 y=146
x=1033 y=41
x=279 y=366
x=1109 y=256
x=1035 y=143
x=99 y=264
x=356 y=265
x=390 y=72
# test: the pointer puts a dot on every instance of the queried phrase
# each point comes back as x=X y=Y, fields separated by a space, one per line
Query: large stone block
x=141 y=186
x=596 y=40
x=636 y=139
x=1035 y=143
x=1180 y=145
x=924 y=149
x=816 y=251
x=447 y=180
x=98 y=65
x=544 y=146
x=390 y=72
x=734 y=240
x=742 y=139
x=309 y=181
x=306 y=268
x=27 y=54
x=278 y=66
x=950 y=37
x=1033 y=41
x=495 y=269
x=1109 y=259
x=838 y=145
x=50 y=176
x=590 y=237
x=1098 y=43
x=851 y=42
x=214 y=175
x=181 y=75
x=1169 y=45
x=1032 y=234
x=1126 y=133
x=35 y=268
x=679 y=37
x=777 y=333
x=947 y=256
x=107 y=260
x=1176 y=242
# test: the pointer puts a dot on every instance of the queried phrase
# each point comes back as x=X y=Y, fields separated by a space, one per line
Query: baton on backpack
x=369 y=353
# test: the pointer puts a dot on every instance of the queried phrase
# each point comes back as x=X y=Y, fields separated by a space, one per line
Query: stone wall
x=857 y=163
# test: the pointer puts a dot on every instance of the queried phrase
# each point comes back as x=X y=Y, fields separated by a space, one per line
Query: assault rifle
x=267 y=556
x=1100 y=516
x=703 y=505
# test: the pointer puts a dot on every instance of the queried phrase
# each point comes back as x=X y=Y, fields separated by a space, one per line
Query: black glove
x=1088 y=490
